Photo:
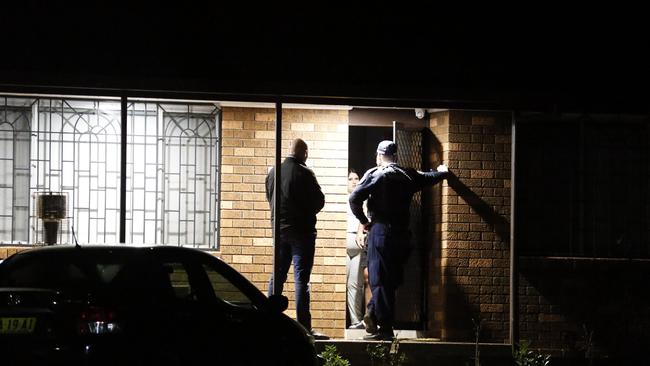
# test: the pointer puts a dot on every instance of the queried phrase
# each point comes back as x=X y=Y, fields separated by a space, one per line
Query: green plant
x=332 y=357
x=524 y=356
x=388 y=355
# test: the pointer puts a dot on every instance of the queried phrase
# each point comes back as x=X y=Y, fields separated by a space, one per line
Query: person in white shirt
x=357 y=261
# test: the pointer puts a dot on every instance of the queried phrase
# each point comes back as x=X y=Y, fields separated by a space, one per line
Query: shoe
x=370 y=321
x=358 y=325
x=379 y=336
x=318 y=335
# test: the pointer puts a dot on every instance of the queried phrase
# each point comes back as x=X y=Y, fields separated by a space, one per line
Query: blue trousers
x=300 y=250
x=388 y=250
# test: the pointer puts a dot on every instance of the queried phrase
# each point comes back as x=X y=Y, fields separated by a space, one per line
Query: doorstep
x=358 y=334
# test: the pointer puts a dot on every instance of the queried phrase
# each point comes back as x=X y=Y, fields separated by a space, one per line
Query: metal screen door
x=410 y=308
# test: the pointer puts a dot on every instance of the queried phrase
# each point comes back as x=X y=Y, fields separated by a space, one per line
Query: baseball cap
x=387 y=147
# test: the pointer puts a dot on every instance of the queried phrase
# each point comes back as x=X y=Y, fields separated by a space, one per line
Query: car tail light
x=98 y=320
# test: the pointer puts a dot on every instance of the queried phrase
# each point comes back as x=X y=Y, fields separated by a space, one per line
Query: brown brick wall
x=439 y=126
x=9 y=250
x=474 y=253
x=248 y=148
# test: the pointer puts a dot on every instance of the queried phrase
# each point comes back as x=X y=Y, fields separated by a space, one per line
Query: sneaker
x=370 y=322
x=318 y=335
x=381 y=335
x=358 y=325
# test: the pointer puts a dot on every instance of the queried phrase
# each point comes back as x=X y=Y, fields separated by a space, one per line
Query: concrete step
x=357 y=334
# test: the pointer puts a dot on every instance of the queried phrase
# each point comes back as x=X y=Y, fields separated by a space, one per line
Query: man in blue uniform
x=389 y=190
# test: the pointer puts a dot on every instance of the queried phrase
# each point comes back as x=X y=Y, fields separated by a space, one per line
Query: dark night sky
x=529 y=57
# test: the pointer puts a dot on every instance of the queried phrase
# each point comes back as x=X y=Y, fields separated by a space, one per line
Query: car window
x=49 y=275
x=108 y=271
x=180 y=281
x=226 y=290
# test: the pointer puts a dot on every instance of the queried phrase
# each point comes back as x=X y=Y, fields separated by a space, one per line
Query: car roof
x=110 y=248
x=134 y=252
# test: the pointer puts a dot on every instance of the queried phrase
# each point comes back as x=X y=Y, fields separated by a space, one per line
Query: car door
x=233 y=316
x=256 y=333
x=207 y=314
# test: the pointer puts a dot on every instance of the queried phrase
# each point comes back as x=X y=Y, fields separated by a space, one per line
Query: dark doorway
x=362 y=145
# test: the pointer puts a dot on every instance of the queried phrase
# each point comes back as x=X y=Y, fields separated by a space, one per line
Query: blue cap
x=387 y=147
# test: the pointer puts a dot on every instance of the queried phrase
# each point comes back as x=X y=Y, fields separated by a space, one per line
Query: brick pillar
x=473 y=264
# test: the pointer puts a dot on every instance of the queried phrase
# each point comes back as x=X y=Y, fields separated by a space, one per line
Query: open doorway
x=362 y=145
x=367 y=128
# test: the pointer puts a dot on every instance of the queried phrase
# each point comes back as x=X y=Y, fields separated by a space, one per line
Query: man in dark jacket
x=389 y=190
x=301 y=199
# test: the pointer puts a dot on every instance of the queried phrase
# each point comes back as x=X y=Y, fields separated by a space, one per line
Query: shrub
x=332 y=357
x=524 y=356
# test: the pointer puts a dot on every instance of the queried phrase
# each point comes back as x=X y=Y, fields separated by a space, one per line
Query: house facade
x=528 y=238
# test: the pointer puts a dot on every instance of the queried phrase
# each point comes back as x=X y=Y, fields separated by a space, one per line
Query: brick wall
x=474 y=251
x=248 y=148
x=9 y=250
x=439 y=127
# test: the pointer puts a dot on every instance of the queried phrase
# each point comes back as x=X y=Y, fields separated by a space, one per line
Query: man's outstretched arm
x=431 y=178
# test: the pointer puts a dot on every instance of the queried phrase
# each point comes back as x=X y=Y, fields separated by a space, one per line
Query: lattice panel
x=173 y=166
x=15 y=140
x=410 y=296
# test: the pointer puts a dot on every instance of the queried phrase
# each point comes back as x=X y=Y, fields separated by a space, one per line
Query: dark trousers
x=300 y=250
x=388 y=251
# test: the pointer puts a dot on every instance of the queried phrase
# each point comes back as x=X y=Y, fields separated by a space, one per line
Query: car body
x=125 y=305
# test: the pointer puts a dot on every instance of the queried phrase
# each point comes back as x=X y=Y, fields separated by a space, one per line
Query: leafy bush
x=524 y=356
x=332 y=357
x=382 y=354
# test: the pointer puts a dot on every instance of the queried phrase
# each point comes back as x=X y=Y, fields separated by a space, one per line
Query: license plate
x=17 y=325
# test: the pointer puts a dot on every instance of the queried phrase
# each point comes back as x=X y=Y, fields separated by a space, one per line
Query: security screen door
x=410 y=307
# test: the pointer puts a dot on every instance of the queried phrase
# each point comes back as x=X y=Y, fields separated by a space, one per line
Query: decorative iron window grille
x=73 y=146
x=172 y=193
x=15 y=140
x=79 y=153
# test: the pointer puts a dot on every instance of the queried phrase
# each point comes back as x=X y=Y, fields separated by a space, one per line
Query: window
x=180 y=281
x=73 y=146
x=582 y=187
x=226 y=290
x=16 y=115
x=172 y=174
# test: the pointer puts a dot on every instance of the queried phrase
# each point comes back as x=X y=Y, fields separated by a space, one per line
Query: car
x=127 y=305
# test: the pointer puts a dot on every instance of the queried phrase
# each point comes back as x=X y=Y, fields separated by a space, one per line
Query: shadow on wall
x=431 y=213
x=565 y=303
x=461 y=295
x=496 y=221
x=461 y=307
